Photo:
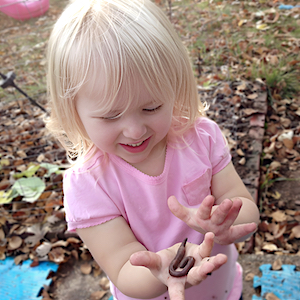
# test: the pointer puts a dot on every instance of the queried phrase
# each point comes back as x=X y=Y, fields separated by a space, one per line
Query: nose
x=134 y=128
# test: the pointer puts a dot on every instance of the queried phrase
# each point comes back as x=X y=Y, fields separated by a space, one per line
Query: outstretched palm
x=158 y=263
x=218 y=219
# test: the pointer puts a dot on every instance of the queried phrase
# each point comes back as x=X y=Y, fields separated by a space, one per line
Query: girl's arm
x=111 y=244
x=227 y=184
x=230 y=212
x=142 y=274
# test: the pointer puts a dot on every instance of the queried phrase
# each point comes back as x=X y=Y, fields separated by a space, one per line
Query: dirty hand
x=218 y=219
x=158 y=263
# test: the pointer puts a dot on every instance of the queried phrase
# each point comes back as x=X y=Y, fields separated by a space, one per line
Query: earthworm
x=185 y=263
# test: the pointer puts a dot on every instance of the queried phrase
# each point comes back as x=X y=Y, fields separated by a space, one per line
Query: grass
x=22 y=50
x=249 y=39
x=218 y=34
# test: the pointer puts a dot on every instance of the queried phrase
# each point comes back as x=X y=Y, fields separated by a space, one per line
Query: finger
x=208 y=265
x=178 y=209
x=219 y=260
x=176 y=290
x=242 y=230
x=207 y=245
x=233 y=212
x=204 y=210
x=221 y=213
x=146 y=259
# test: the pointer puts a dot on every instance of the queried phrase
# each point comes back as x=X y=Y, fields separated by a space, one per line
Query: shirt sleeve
x=86 y=203
x=216 y=144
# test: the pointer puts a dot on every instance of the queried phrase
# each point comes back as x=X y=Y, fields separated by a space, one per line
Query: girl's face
x=138 y=135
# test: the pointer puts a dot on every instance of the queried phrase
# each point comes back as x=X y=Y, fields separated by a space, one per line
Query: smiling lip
x=136 y=149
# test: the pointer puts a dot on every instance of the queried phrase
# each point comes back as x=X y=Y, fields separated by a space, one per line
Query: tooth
x=135 y=145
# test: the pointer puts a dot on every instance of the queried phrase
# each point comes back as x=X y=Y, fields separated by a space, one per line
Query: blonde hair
x=123 y=38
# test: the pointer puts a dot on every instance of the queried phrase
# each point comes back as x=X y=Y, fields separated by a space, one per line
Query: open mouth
x=138 y=147
x=135 y=145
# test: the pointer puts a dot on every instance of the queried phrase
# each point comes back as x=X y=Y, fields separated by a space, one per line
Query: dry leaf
x=262 y=27
x=277 y=264
x=14 y=242
x=86 y=268
x=20 y=258
x=2 y=234
x=288 y=143
x=242 y=22
x=240 y=152
x=242 y=161
x=276 y=195
x=97 y=295
x=249 y=111
x=275 y=165
x=279 y=216
x=270 y=247
x=295 y=232
x=43 y=249
x=252 y=96
x=104 y=283
x=38 y=232
x=271 y=296
x=249 y=277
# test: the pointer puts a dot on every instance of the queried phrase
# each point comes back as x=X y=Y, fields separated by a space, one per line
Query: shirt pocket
x=197 y=189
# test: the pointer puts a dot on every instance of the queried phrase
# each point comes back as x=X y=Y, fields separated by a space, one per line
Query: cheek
x=102 y=136
x=166 y=121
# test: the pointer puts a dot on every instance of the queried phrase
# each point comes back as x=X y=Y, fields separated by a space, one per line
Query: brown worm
x=185 y=263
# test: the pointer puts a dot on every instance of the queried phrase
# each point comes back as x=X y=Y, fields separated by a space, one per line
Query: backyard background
x=246 y=57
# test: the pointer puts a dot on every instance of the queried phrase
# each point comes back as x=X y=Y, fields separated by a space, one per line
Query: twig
x=8 y=80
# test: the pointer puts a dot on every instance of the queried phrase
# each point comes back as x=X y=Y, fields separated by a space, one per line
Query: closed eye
x=111 y=118
x=152 y=109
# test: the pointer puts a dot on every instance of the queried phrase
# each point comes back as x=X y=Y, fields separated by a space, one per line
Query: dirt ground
x=73 y=284
x=251 y=264
x=70 y=282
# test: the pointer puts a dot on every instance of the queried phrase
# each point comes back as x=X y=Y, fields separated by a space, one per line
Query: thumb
x=146 y=259
x=178 y=209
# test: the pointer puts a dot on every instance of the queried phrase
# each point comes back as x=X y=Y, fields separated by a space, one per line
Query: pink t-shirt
x=94 y=195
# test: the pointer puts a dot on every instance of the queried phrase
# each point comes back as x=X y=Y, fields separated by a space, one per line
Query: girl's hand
x=158 y=263
x=218 y=219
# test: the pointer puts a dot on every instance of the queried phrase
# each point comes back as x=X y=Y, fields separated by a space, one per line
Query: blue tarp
x=284 y=284
x=20 y=282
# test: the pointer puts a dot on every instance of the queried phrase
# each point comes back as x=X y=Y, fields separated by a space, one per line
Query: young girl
x=151 y=169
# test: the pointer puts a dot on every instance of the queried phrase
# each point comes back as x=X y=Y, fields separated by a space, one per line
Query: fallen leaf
x=6 y=197
x=38 y=232
x=14 y=242
x=20 y=258
x=86 y=268
x=295 y=232
x=270 y=247
x=104 y=283
x=279 y=216
x=262 y=27
x=275 y=165
x=249 y=111
x=30 y=188
x=277 y=264
x=276 y=195
x=97 y=295
x=249 y=276
x=242 y=161
x=271 y=296
x=240 y=152
x=43 y=249
x=252 y=96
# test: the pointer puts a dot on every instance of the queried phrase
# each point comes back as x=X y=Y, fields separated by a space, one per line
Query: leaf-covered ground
x=259 y=116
